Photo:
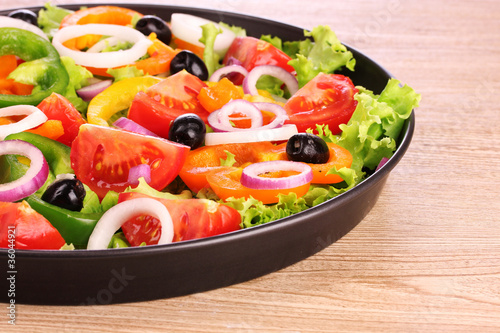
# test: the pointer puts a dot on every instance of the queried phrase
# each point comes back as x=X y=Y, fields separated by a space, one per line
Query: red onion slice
x=273 y=134
x=91 y=91
x=381 y=163
x=278 y=110
x=138 y=171
x=250 y=81
x=130 y=125
x=117 y=215
x=34 y=118
x=227 y=70
x=33 y=179
x=250 y=176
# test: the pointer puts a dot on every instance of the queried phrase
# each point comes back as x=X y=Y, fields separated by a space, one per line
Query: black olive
x=308 y=148
x=191 y=63
x=188 y=129
x=65 y=193
x=150 y=23
x=25 y=15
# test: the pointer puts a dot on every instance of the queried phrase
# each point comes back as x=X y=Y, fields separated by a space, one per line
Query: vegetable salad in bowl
x=120 y=129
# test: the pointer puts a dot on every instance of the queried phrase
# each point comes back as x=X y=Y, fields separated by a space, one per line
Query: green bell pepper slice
x=74 y=227
x=42 y=63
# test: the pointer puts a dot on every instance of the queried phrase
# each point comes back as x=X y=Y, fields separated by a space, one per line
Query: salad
x=120 y=129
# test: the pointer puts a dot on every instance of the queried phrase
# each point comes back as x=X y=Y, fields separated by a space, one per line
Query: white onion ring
x=250 y=81
x=106 y=59
x=35 y=117
x=139 y=171
x=10 y=22
x=250 y=176
x=117 y=215
x=274 y=134
x=226 y=70
x=219 y=119
x=33 y=179
x=188 y=28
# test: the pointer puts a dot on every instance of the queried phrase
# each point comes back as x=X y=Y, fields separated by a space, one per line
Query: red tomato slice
x=192 y=218
x=32 y=230
x=102 y=157
x=253 y=52
x=166 y=100
x=327 y=99
x=57 y=107
x=152 y=115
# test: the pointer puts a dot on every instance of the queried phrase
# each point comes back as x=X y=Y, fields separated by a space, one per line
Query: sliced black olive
x=65 y=193
x=308 y=148
x=25 y=15
x=188 y=129
x=191 y=63
x=150 y=23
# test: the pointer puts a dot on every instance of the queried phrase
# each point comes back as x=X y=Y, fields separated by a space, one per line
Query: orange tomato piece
x=101 y=14
x=52 y=129
x=9 y=86
x=183 y=45
x=216 y=95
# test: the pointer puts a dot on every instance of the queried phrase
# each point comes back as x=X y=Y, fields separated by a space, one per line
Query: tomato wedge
x=166 y=100
x=57 y=107
x=102 y=157
x=252 y=52
x=192 y=218
x=327 y=99
x=225 y=182
x=32 y=230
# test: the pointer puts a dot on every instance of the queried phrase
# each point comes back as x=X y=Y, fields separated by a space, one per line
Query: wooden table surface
x=427 y=257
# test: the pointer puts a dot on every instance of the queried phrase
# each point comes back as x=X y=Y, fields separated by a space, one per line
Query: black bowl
x=155 y=272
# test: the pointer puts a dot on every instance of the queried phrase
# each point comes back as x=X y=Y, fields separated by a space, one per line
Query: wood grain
x=427 y=257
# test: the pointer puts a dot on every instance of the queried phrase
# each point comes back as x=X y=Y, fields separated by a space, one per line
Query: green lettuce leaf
x=326 y=54
x=78 y=77
x=92 y=204
x=238 y=31
x=50 y=17
x=144 y=188
x=126 y=72
x=374 y=127
x=229 y=161
x=118 y=241
x=253 y=212
x=211 y=59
